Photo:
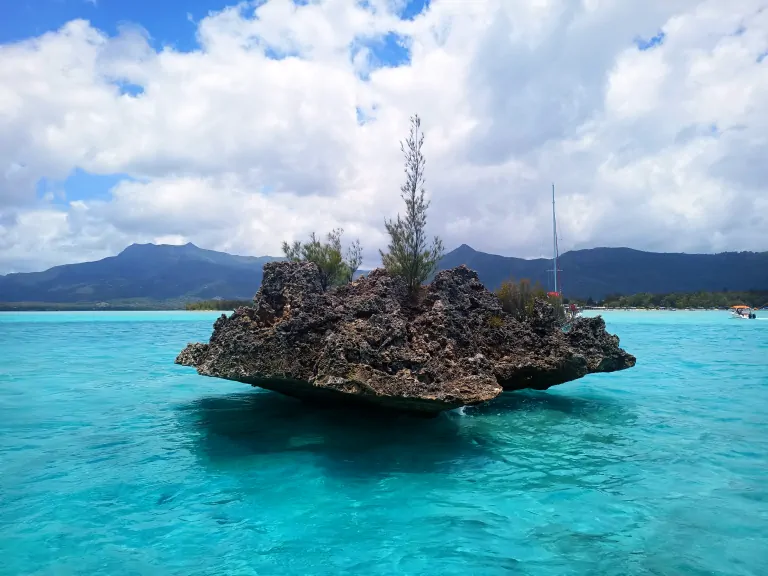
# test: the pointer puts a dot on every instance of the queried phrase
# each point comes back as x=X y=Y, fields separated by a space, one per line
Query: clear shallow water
x=115 y=461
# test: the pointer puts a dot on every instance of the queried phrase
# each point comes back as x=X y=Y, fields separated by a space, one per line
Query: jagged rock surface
x=369 y=342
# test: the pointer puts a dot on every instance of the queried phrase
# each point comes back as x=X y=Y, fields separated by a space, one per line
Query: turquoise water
x=115 y=461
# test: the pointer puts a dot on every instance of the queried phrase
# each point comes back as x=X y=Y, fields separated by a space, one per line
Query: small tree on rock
x=408 y=254
x=334 y=270
x=354 y=259
x=519 y=298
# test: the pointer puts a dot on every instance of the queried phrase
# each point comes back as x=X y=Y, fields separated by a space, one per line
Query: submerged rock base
x=369 y=342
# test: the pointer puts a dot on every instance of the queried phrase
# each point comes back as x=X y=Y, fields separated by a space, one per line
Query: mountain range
x=141 y=271
x=148 y=272
x=598 y=272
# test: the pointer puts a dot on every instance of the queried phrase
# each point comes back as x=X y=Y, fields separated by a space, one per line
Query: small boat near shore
x=742 y=312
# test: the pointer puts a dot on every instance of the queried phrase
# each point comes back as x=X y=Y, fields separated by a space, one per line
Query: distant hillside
x=141 y=271
x=601 y=271
x=145 y=274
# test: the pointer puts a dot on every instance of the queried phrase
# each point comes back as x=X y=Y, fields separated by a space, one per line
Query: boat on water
x=742 y=312
x=571 y=311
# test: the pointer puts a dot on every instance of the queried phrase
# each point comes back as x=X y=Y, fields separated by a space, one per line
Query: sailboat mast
x=554 y=237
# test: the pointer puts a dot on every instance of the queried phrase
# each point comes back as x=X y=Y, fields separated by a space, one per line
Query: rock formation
x=370 y=342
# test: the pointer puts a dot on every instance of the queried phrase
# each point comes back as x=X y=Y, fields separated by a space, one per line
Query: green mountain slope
x=141 y=271
x=598 y=272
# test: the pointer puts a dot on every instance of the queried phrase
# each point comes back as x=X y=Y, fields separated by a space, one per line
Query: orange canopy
x=740 y=306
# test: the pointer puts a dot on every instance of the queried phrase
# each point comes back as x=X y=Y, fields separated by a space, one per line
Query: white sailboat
x=571 y=311
x=555 y=254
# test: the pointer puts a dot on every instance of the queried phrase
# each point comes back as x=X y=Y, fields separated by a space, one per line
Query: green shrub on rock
x=334 y=268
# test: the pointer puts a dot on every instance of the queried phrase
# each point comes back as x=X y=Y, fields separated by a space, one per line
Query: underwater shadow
x=342 y=440
x=364 y=444
x=535 y=400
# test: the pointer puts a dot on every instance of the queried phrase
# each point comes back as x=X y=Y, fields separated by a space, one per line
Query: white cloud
x=234 y=149
x=635 y=84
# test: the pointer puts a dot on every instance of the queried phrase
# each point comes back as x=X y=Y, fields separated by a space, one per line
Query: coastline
x=4 y=307
x=655 y=309
x=662 y=310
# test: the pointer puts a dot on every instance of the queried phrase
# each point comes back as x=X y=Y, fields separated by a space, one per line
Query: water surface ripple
x=115 y=461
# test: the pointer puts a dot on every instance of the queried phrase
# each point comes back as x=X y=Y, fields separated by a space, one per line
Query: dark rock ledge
x=368 y=342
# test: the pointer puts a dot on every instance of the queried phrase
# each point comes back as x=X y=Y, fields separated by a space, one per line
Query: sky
x=238 y=126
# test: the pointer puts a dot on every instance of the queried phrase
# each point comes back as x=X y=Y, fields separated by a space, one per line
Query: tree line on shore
x=217 y=304
x=723 y=299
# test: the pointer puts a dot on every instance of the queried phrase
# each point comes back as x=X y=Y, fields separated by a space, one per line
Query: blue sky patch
x=643 y=44
x=275 y=54
x=364 y=117
x=168 y=22
x=365 y=5
x=387 y=51
x=407 y=10
x=128 y=88
x=79 y=185
x=413 y=8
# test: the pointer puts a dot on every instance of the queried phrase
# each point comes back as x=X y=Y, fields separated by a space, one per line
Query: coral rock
x=370 y=342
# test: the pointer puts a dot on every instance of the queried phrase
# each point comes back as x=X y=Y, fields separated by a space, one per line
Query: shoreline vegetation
x=218 y=305
x=111 y=306
x=509 y=293
x=127 y=306
x=756 y=299
x=679 y=302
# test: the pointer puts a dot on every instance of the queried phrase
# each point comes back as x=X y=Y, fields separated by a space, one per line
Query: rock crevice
x=369 y=342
